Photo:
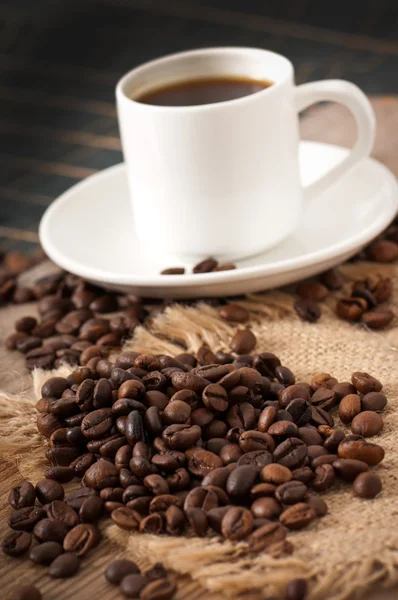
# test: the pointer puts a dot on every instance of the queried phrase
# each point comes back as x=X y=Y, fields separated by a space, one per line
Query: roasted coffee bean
x=119 y=569
x=65 y=565
x=217 y=477
x=131 y=585
x=237 y=523
x=371 y=454
x=342 y=389
x=161 y=503
x=321 y=417
x=242 y=416
x=24 y=519
x=205 y=266
x=91 y=510
x=276 y=474
x=333 y=439
x=324 y=398
x=312 y=291
x=133 y=491
x=374 y=401
x=101 y=474
x=113 y=494
x=300 y=411
x=234 y=313
x=378 y=318
x=48 y=490
x=173 y=271
x=152 y=524
x=266 y=508
x=266 y=418
x=201 y=497
x=16 y=543
x=324 y=477
x=323 y=460
x=82 y=463
x=104 y=304
x=50 y=530
x=190 y=381
x=47 y=424
x=332 y=279
x=263 y=537
x=64 y=407
x=307 y=310
x=159 y=589
x=123 y=457
x=367 y=423
x=367 y=485
x=349 y=407
x=250 y=441
x=381 y=250
x=205 y=356
x=258 y=459
x=203 y=461
x=179 y=480
x=349 y=468
x=181 y=437
x=318 y=504
x=283 y=429
x=176 y=412
x=365 y=383
x=322 y=380
x=297 y=516
x=26 y=592
x=85 y=395
x=296 y=590
x=175 y=520
x=351 y=309
x=27 y=343
x=44 y=554
x=310 y=436
x=197 y=519
x=291 y=453
x=61 y=511
x=292 y=392
x=97 y=424
x=61 y=455
x=285 y=376
x=76 y=498
x=81 y=539
x=262 y=489
x=243 y=342
x=240 y=480
x=22 y=495
x=156 y=484
x=291 y=492
x=215 y=398
x=54 y=387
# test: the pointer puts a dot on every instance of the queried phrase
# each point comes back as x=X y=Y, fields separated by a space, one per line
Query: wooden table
x=329 y=124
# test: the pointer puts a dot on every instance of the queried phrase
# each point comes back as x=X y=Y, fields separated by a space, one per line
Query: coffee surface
x=203 y=91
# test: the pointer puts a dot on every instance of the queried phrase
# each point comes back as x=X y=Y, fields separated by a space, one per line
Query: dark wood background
x=60 y=60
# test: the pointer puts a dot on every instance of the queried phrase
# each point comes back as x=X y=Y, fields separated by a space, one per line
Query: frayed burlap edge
x=344 y=553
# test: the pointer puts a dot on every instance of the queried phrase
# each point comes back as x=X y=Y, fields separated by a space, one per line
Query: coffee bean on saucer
x=367 y=485
x=173 y=271
x=226 y=267
x=206 y=266
x=307 y=310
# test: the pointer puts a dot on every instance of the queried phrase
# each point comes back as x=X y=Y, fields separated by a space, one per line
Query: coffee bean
x=54 y=387
x=284 y=376
x=348 y=468
x=262 y=538
x=204 y=498
x=332 y=279
x=205 y=266
x=50 y=530
x=291 y=453
x=243 y=342
x=283 y=429
x=203 y=461
x=378 y=318
x=91 y=510
x=312 y=291
x=258 y=459
x=276 y=474
x=81 y=539
x=367 y=485
x=182 y=381
x=181 y=437
x=237 y=523
x=198 y=520
x=173 y=271
x=321 y=417
x=374 y=401
x=371 y=454
x=290 y=492
x=24 y=519
x=131 y=585
x=296 y=590
x=365 y=383
x=152 y=524
x=25 y=324
x=156 y=572
x=297 y=516
x=100 y=475
x=26 y=592
x=118 y=569
x=16 y=543
x=44 y=554
x=324 y=477
x=351 y=309
x=292 y=392
x=367 y=423
x=234 y=313
x=97 y=423
x=250 y=441
x=61 y=511
x=65 y=565
x=307 y=310
x=384 y=251
x=159 y=589
x=22 y=495
x=126 y=518
x=48 y=490
x=175 y=520
x=318 y=504
x=349 y=407
x=266 y=508
x=240 y=480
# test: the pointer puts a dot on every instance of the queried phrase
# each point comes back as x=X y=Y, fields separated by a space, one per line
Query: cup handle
x=343 y=92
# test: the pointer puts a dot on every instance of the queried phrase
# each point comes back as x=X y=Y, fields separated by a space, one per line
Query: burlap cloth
x=342 y=554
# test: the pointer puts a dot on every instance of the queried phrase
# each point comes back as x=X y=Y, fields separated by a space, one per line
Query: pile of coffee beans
x=215 y=443
x=153 y=584
x=209 y=265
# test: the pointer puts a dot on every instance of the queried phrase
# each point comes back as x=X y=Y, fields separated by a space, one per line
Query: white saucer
x=89 y=231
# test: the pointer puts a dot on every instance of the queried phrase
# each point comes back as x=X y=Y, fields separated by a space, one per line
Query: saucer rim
x=249 y=272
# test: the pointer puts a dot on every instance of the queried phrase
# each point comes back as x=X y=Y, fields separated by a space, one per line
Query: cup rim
x=121 y=85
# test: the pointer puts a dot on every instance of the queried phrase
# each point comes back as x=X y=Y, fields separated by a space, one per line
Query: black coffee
x=203 y=91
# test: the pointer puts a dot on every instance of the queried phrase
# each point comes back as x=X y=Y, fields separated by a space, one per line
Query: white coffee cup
x=223 y=179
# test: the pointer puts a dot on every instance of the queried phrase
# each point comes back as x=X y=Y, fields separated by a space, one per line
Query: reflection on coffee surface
x=203 y=91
